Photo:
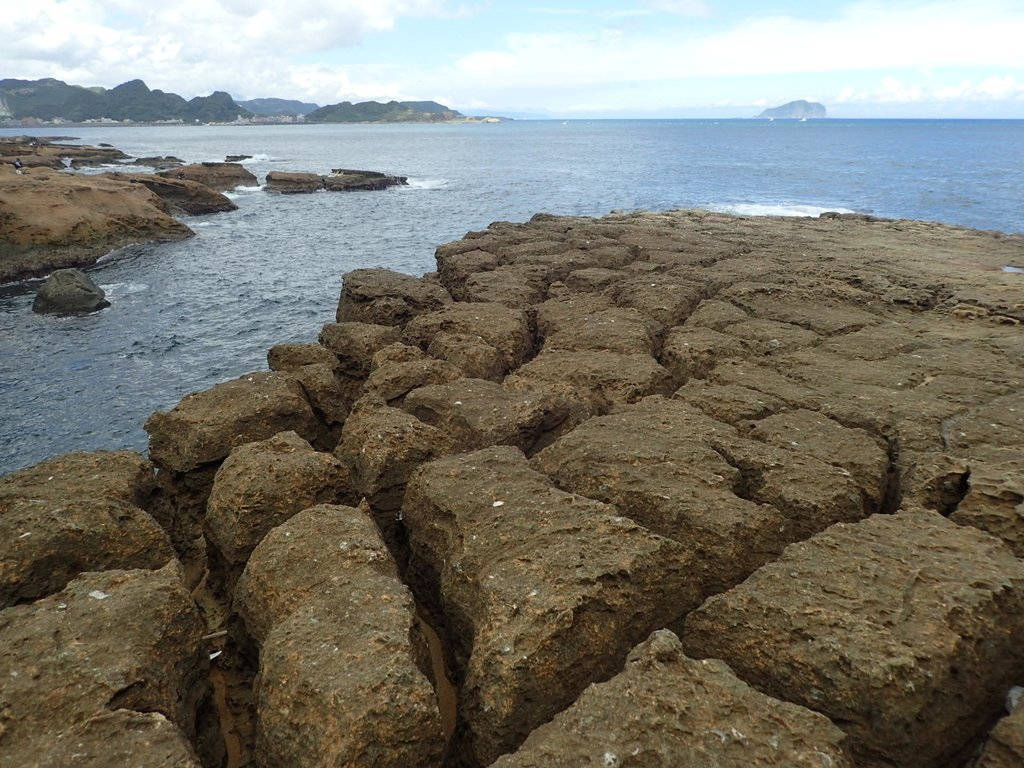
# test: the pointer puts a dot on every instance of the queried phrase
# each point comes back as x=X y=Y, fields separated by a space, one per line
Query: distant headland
x=34 y=102
x=796 y=110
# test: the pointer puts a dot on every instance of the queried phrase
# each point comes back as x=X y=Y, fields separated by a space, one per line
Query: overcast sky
x=561 y=58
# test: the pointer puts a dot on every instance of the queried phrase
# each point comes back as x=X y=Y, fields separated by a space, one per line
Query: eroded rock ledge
x=674 y=489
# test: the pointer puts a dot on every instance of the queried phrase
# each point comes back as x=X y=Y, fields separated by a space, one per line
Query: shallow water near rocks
x=187 y=315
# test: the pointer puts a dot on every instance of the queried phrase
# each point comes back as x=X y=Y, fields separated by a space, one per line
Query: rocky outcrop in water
x=340 y=180
x=69 y=292
x=668 y=489
x=220 y=177
x=51 y=220
x=181 y=195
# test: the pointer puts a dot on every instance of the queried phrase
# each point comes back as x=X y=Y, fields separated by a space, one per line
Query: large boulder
x=261 y=485
x=205 y=426
x=74 y=513
x=69 y=292
x=907 y=630
x=113 y=642
x=338 y=681
x=665 y=710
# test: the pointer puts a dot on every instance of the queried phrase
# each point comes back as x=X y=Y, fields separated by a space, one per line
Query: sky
x=546 y=58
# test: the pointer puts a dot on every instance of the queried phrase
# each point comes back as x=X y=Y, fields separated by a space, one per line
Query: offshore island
x=661 y=488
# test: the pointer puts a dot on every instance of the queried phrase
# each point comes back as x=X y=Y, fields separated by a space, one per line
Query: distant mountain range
x=51 y=100
x=799 y=110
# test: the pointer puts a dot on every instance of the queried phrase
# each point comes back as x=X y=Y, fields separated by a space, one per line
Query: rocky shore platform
x=658 y=489
x=53 y=219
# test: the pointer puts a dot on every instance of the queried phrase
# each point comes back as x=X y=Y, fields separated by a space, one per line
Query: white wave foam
x=258 y=158
x=427 y=183
x=116 y=290
x=239 y=191
x=778 y=209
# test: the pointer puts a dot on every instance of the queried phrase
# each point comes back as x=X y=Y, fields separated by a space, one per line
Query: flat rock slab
x=118 y=640
x=338 y=682
x=651 y=462
x=261 y=485
x=386 y=297
x=665 y=710
x=220 y=177
x=906 y=630
x=543 y=591
x=181 y=195
x=205 y=426
x=53 y=220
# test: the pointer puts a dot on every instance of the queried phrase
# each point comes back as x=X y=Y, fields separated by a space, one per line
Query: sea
x=187 y=315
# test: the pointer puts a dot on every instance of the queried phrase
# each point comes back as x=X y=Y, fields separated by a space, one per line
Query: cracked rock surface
x=654 y=489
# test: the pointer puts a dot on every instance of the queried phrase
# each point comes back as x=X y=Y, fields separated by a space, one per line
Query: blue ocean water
x=187 y=315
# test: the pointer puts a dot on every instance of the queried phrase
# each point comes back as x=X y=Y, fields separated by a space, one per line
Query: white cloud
x=891 y=90
x=681 y=7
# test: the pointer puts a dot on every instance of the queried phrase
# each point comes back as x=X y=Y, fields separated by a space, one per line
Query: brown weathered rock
x=338 y=683
x=594 y=381
x=52 y=220
x=543 y=591
x=515 y=286
x=118 y=640
x=385 y=297
x=69 y=292
x=664 y=298
x=716 y=315
x=665 y=710
x=119 y=738
x=476 y=413
x=351 y=180
x=730 y=403
x=994 y=501
x=505 y=329
x=690 y=352
x=1004 y=747
x=331 y=395
x=220 y=177
x=181 y=195
x=263 y=484
x=290 y=357
x=906 y=630
x=74 y=513
x=391 y=382
x=858 y=455
x=455 y=266
x=470 y=353
x=355 y=344
x=205 y=426
x=290 y=183
x=654 y=467
x=626 y=331
x=382 y=446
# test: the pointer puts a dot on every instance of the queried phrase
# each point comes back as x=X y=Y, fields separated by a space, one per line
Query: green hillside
x=376 y=112
x=51 y=99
